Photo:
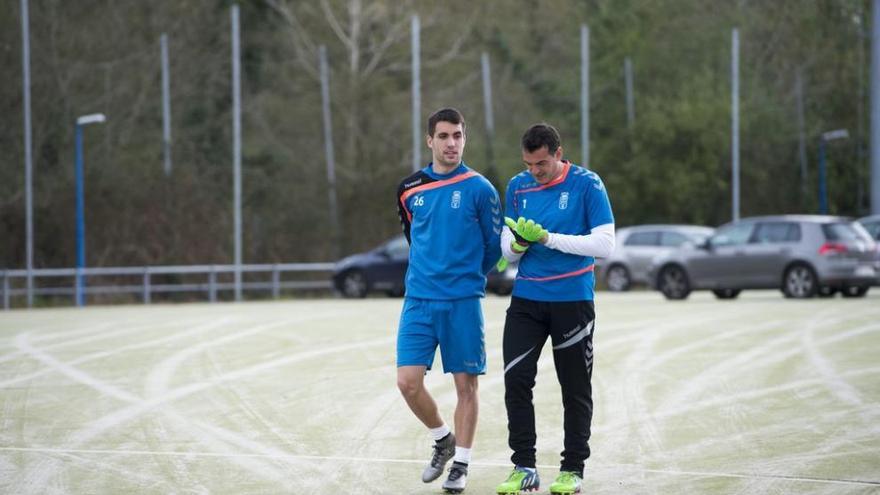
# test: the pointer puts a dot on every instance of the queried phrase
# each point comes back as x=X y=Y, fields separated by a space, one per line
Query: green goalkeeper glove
x=525 y=231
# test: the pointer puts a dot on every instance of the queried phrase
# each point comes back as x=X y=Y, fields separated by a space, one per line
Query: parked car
x=637 y=246
x=383 y=269
x=872 y=225
x=803 y=255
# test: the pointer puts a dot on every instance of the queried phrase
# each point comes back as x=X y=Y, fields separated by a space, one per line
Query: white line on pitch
x=601 y=467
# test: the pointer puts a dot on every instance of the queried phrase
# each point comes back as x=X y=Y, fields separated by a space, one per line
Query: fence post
x=147 y=287
x=5 y=290
x=212 y=284
x=276 y=282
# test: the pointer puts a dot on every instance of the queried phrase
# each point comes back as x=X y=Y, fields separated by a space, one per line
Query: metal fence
x=141 y=280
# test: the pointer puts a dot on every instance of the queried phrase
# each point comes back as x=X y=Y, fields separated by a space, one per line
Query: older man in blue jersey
x=451 y=216
x=564 y=221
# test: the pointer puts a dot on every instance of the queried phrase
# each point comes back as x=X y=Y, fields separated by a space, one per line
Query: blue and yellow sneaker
x=521 y=479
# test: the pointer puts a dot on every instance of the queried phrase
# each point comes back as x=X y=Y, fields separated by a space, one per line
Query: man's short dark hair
x=540 y=135
x=450 y=115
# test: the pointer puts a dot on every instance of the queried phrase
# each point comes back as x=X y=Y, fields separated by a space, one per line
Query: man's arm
x=402 y=213
x=489 y=209
x=507 y=251
x=599 y=243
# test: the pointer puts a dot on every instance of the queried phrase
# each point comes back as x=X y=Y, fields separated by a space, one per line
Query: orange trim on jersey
x=432 y=185
x=552 y=183
x=563 y=275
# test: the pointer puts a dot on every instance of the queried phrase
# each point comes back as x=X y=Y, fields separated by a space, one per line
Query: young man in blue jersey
x=564 y=221
x=451 y=216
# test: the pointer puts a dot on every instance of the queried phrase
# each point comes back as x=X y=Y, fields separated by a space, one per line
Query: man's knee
x=409 y=384
x=467 y=387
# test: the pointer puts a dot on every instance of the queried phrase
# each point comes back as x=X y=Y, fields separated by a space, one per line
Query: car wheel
x=617 y=278
x=396 y=292
x=855 y=291
x=503 y=290
x=354 y=284
x=826 y=291
x=673 y=283
x=726 y=293
x=800 y=282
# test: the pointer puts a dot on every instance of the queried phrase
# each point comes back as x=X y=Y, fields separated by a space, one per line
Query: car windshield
x=732 y=235
x=845 y=232
x=698 y=237
x=873 y=229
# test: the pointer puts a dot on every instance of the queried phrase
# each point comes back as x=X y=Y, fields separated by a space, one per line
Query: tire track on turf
x=82 y=377
x=638 y=428
x=116 y=351
x=38 y=476
x=777 y=357
x=93 y=335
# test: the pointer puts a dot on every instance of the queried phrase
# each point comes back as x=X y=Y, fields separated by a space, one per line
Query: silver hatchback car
x=872 y=225
x=636 y=246
x=803 y=255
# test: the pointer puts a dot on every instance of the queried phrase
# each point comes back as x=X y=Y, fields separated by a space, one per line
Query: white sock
x=440 y=432
x=462 y=455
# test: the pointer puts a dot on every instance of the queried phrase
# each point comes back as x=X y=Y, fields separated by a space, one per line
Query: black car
x=383 y=270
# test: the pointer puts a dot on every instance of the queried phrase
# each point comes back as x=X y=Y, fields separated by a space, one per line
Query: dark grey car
x=383 y=269
x=803 y=255
x=636 y=246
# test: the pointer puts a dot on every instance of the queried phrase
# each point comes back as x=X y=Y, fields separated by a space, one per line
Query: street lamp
x=823 y=188
x=82 y=121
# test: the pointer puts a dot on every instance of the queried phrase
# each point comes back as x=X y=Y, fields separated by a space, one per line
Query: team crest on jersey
x=456 y=199
x=563 y=200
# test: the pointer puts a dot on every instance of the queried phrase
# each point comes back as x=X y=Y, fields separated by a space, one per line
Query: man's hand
x=519 y=244
x=526 y=231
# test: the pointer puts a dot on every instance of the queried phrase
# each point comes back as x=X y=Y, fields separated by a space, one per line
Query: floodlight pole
x=166 y=104
x=236 y=149
x=328 y=147
x=875 y=109
x=585 y=96
x=81 y=122
x=630 y=97
x=734 y=111
x=823 y=181
x=490 y=118
x=28 y=157
x=416 y=96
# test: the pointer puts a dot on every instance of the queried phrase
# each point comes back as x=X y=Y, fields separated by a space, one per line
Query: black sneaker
x=457 y=479
x=444 y=449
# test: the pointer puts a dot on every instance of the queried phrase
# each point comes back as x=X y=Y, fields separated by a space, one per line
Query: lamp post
x=823 y=188
x=82 y=121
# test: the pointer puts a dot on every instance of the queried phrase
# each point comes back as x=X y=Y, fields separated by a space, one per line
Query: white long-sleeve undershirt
x=599 y=243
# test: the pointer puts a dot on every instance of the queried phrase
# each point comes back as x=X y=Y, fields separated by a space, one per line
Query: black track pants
x=570 y=327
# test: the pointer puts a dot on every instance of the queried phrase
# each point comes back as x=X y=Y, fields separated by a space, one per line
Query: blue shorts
x=455 y=325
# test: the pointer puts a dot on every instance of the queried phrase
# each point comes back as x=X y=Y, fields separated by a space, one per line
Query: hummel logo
x=569 y=334
x=413 y=183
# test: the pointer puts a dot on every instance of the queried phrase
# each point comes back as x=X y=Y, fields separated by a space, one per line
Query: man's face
x=447 y=143
x=543 y=165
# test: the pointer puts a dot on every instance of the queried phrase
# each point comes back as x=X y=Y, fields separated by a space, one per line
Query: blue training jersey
x=453 y=224
x=573 y=203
